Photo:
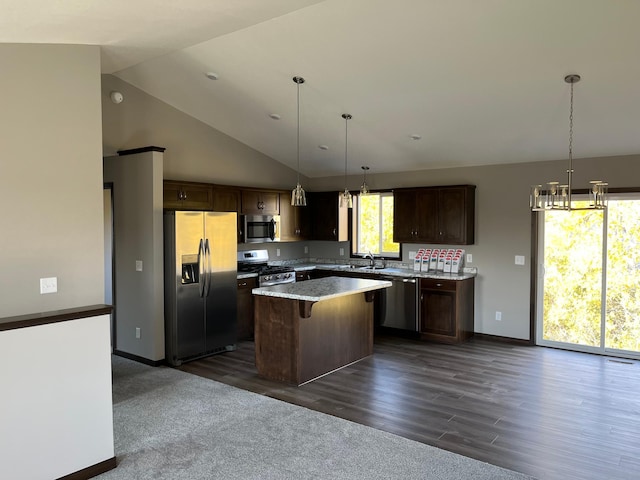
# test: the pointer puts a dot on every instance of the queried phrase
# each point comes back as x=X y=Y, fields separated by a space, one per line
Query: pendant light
x=557 y=196
x=298 y=196
x=364 y=188
x=345 y=197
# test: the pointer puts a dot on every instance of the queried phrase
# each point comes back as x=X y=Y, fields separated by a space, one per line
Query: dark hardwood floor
x=549 y=413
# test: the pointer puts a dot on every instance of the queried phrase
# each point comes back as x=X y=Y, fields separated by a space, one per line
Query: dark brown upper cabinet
x=295 y=222
x=329 y=221
x=226 y=199
x=436 y=215
x=187 y=195
x=260 y=202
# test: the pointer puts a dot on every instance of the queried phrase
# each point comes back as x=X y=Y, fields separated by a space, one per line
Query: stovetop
x=263 y=269
x=256 y=261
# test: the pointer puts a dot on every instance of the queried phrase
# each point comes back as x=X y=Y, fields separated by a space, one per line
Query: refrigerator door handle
x=272 y=229
x=201 y=269
x=207 y=267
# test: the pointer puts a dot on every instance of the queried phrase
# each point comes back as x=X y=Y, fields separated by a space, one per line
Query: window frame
x=354 y=233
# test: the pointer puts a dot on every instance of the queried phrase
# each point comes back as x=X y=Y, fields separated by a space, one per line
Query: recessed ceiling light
x=415 y=136
x=212 y=75
x=323 y=147
x=275 y=116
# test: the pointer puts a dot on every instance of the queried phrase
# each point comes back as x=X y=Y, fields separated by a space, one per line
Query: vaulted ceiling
x=478 y=81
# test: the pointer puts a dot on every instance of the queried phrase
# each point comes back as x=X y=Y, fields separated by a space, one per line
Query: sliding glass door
x=589 y=279
x=622 y=313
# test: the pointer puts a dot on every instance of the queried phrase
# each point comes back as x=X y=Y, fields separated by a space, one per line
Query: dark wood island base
x=300 y=340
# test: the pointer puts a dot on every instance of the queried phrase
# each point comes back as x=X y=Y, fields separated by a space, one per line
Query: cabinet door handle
x=335 y=231
x=438 y=284
x=421 y=297
x=244 y=284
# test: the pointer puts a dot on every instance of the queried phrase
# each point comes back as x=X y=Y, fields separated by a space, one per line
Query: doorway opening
x=589 y=279
x=109 y=278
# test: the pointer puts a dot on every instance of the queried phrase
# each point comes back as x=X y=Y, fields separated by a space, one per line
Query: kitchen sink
x=388 y=270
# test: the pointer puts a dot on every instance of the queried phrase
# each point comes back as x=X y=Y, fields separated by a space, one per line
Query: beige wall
x=139 y=295
x=503 y=225
x=50 y=177
x=194 y=151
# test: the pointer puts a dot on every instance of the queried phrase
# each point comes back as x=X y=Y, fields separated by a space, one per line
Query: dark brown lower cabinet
x=303 y=275
x=446 y=310
x=245 y=308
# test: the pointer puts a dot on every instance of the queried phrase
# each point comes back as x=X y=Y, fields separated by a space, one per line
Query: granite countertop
x=391 y=271
x=321 y=288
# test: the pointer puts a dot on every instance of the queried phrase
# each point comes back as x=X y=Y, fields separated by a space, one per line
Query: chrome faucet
x=372 y=259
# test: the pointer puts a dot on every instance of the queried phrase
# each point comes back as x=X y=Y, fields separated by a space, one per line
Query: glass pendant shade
x=298 y=197
x=346 y=200
x=558 y=196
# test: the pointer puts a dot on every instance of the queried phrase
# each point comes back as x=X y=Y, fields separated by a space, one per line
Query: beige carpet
x=173 y=425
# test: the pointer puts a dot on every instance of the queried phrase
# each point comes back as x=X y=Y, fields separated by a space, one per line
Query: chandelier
x=557 y=196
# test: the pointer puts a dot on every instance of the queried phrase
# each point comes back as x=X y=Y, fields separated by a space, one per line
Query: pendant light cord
x=570 y=170
x=346 y=140
x=298 y=130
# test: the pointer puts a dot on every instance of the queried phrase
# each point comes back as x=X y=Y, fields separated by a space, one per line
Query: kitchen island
x=308 y=329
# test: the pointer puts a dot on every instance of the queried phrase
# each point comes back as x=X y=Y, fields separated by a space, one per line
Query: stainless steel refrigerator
x=200 y=263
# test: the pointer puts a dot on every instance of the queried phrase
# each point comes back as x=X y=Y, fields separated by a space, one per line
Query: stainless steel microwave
x=261 y=228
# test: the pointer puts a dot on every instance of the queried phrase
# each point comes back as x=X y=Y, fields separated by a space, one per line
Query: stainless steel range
x=256 y=261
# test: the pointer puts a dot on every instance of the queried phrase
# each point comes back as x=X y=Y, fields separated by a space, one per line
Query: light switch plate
x=138 y=265
x=469 y=258
x=49 y=285
x=412 y=255
x=306 y=249
x=342 y=252
x=519 y=259
x=277 y=252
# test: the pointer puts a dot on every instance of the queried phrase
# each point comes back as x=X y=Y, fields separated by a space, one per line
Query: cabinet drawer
x=250 y=282
x=435 y=284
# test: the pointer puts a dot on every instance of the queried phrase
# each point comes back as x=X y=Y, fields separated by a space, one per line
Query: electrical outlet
x=342 y=252
x=469 y=258
x=48 y=285
x=137 y=332
x=138 y=265
x=519 y=259
x=412 y=255
x=306 y=249
x=277 y=252
x=499 y=316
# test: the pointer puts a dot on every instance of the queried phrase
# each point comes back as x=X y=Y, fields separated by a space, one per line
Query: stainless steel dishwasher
x=399 y=303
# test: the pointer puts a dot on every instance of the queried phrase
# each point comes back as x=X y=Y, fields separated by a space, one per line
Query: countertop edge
x=53 y=316
x=273 y=292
